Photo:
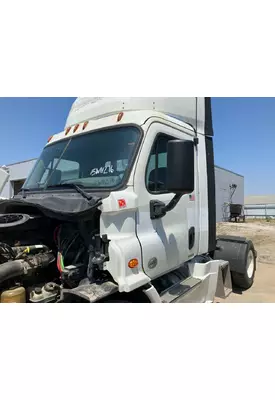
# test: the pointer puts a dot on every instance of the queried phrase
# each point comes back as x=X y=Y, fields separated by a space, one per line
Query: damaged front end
x=51 y=250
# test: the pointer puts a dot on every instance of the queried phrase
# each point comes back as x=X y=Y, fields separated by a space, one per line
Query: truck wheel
x=245 y=280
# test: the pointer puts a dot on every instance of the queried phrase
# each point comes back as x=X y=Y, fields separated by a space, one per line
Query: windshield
x=95 y=160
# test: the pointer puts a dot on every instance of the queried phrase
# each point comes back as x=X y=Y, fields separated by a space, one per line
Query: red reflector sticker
x=122 y=203
x=120 y=116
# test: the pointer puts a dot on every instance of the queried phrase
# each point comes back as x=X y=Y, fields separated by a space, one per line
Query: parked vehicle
x=120 y=207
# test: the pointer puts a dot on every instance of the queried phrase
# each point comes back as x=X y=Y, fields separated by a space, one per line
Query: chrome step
x=180 y=292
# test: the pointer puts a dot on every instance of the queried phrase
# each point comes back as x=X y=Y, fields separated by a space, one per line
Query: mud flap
x=224 y=283
x=234 y=249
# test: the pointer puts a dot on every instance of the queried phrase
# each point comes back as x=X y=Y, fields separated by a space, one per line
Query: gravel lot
x=263 y=236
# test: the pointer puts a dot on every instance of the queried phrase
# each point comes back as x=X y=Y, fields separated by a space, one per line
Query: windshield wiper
x=74 y=186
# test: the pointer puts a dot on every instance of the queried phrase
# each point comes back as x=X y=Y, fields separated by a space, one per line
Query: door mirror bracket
x=158 y=209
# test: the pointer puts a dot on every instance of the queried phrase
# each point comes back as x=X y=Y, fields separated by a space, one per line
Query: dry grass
x=262 y=233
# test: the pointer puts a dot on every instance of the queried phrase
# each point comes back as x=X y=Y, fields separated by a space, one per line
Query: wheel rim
x=250 y=264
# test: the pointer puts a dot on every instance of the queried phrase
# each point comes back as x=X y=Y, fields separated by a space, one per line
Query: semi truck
x=120 y=208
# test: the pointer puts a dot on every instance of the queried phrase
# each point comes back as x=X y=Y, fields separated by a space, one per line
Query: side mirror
x=181 y=167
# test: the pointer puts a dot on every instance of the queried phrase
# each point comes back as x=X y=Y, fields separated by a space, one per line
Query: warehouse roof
x=267 y=199
x=21 y=162
x=228 y=170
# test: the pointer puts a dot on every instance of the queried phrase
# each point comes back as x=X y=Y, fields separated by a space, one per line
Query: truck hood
x=62 y=207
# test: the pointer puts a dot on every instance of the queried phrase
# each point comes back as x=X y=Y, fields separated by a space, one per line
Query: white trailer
x=127 y=191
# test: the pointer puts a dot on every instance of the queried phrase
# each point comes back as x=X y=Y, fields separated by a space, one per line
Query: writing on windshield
x=95 y=160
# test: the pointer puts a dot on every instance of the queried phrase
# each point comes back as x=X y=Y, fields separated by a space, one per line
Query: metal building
x=18 y=174
x=260 y=206
x=229 y=188
x=224 y=179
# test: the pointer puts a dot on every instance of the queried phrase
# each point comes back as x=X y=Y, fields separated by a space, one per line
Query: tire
x=246 y=279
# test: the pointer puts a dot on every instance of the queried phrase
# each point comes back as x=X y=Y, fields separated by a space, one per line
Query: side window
x=156 y=174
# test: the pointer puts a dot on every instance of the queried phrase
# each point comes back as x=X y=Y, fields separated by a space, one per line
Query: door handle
x=192 y=237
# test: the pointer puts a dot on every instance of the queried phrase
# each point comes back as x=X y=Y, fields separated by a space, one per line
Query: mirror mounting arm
x=158 y=209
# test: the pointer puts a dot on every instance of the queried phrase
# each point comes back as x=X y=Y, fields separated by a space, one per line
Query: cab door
x=169 y=242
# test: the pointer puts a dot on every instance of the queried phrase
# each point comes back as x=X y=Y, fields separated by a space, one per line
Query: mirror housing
x=181 y=167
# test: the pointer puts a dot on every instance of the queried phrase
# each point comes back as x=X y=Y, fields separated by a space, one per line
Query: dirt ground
x=262 y=234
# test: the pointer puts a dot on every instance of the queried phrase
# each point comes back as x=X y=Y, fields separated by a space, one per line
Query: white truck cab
x=134 y=178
